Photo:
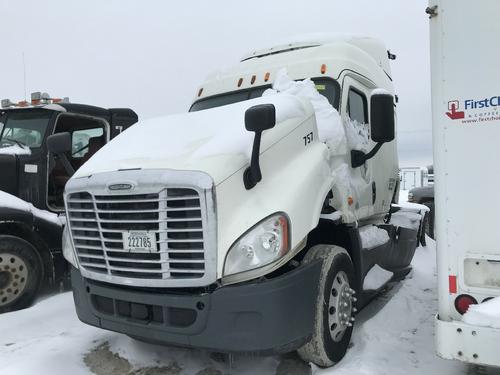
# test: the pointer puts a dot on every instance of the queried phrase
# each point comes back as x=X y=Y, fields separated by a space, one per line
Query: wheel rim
x=13 y=278
x=340 y=306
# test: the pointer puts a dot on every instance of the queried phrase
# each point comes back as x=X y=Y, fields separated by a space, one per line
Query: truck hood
x=214 y=141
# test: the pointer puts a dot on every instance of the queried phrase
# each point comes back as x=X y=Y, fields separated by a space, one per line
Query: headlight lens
x=67 y=247
x=263 y=244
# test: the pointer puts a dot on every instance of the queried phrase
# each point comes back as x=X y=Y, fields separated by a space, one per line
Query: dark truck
x=425 y=195
x=32 y=182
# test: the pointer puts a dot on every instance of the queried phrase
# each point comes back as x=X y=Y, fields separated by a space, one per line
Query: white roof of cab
x=303 y=57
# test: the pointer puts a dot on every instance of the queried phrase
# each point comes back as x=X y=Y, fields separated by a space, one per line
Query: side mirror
x=260 y=117
x=382 y=118
x=59 y=143
x=382 y=126
x=257 y=119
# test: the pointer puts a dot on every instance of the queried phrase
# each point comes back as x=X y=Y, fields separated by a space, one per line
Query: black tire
x=429 y=222
x=322 y=349
x=21 y=273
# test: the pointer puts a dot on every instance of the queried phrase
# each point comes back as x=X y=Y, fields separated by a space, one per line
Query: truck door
x=374 y=182
x=354 y=110
x=88 y=135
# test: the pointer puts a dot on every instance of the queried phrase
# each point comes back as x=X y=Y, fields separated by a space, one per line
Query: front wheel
x=21 y=273
x=335 y=306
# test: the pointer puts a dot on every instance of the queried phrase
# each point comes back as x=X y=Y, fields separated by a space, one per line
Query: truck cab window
x=357 y=107
x=24 y=128
x=325 y=86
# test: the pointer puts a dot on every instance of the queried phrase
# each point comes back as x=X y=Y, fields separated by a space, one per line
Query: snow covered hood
x=10 y=201
x=214 y=141
x=15 y=150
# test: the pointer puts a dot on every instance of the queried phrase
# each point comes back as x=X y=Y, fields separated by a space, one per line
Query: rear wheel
x=21 y=273
x=335 y=306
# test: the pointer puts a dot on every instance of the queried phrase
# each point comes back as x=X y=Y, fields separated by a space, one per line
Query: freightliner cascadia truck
x=258 y=222
x=466 y=130
x=32 y=184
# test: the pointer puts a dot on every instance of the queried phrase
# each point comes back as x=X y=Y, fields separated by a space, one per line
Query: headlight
x=410 y=197
x=67 y=247
x=263 y=244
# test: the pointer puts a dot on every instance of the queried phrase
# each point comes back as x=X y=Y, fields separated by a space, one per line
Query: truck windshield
x=325 y=86
x=24 y=128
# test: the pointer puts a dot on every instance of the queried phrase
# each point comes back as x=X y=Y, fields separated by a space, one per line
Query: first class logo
x=473 y=111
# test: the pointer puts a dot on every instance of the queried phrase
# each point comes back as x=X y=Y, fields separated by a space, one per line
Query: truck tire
x=429 y=222
x=335 y=306
x=21 y=273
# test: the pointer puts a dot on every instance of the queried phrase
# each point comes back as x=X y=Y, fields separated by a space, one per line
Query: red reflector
x=453 y=284
x=323 y=68
x=463 y=302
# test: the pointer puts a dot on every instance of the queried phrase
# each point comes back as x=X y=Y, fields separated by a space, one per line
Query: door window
x=357 y=107
x=81 y=139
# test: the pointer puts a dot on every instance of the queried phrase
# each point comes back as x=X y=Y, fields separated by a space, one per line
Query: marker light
x=252 y=81
x=463 y=302
x=267 y=76
x=240 y=82
x=200 y=92
x=323 y=68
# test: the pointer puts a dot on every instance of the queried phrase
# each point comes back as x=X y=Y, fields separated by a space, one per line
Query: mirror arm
x=252 y=174
x=66 y=164
x=358 y=158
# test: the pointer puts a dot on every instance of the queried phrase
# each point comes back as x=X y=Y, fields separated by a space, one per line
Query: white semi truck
x=258 y=222
x=466 y=130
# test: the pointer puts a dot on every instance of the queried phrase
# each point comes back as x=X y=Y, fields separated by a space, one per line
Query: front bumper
x=266 y=317
x=467 y=343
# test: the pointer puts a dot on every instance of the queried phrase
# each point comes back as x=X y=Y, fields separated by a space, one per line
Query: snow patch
x=409 y=216
x=380 y=92
x=373 y=236
x=15 y=149
x=486 y=314
x=328 y=121
x=334 y=216
x=376 y=278
x=11 y=201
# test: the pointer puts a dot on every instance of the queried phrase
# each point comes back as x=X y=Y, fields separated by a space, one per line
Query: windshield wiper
x=16 y=141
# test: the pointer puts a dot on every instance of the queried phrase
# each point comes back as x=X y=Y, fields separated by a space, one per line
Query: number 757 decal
x=308 y=138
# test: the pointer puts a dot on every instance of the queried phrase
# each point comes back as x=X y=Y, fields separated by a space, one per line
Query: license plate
x=144 y=242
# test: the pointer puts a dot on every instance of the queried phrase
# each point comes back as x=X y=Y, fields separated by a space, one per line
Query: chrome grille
x=175 y=215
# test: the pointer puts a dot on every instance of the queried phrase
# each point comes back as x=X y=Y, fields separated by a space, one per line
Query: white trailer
x=412 y=177
x=466 y=129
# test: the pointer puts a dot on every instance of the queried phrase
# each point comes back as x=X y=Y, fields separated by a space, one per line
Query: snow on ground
x=393 y=335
